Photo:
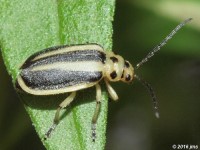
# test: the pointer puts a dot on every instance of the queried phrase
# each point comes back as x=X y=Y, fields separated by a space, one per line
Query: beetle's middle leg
x=62 y=105
x=97 y=110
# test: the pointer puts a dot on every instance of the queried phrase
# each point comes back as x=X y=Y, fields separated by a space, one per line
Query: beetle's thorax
x=116 y=68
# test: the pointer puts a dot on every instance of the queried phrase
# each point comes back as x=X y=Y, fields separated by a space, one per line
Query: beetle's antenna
x=152 y=93
x=157 y=48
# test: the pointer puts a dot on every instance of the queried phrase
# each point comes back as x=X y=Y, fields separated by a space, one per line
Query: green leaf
x=30 y=26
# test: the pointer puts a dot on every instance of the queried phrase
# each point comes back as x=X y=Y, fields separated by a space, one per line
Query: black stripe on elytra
x=55 y=48
x=71 y=56
x=17 y=86
x=56 y=79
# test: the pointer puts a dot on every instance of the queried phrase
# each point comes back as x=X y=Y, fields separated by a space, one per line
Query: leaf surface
x=27 y=27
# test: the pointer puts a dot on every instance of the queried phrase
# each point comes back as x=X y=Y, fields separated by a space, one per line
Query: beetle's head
x=128 y=72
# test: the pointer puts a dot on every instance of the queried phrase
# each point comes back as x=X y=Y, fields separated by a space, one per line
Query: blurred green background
x=174 y=74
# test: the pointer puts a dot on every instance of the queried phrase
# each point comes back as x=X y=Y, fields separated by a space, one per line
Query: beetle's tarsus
x=94 y=136
x=48 y=133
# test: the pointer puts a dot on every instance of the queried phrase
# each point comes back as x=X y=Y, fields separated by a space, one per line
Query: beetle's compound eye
x=128 y=77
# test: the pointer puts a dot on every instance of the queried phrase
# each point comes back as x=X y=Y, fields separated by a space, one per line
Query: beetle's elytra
x=64 y=69
x=71 y=68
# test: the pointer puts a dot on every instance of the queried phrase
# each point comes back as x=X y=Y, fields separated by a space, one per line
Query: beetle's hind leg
x=62 y=105
x=97 y=110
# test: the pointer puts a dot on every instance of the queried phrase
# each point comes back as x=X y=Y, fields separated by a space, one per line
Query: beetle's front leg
x=111 y=91
x=97 y=110
x=62 y=105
